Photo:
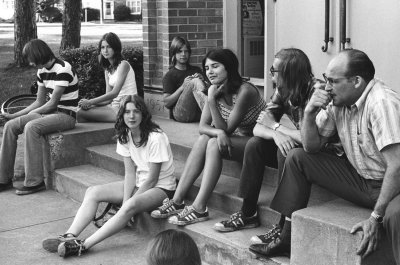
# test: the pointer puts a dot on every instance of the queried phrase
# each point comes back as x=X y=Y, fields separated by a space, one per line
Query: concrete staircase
x=86 y=156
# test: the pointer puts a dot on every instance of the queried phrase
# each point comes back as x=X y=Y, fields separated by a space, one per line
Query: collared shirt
x=365 y=128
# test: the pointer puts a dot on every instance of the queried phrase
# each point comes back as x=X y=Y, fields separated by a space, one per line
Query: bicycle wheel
x=17 y=103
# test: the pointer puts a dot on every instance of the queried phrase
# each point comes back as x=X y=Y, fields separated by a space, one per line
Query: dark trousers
x=337 y=175
x=258 y=153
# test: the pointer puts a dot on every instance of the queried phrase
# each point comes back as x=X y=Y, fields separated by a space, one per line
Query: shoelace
x=273 y=233
x=166 y=205
x=185 y=211
x=76 y=245
x=235 y=216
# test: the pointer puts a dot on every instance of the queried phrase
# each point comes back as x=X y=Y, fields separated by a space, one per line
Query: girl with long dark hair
x=226 y=124
x=149 y=179
x=120 y=81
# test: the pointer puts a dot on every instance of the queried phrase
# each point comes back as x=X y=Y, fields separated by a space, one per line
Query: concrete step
x=215 y=248
x=321 y=235
x=224 y=198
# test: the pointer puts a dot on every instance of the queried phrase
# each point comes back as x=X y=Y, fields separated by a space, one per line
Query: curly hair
x=115 y=43
x=295 y=75
x=146 y=126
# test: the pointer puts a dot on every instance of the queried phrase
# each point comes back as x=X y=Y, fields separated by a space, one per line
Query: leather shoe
x=276 y=247
x=6 y=186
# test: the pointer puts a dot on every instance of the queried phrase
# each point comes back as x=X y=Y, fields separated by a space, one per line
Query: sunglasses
x=273 y=71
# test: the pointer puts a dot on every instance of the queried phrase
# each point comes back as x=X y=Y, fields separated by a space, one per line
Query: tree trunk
x=24 y=28
x=71 y=27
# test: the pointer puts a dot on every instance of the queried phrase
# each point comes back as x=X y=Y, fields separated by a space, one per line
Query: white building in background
x=6 y=9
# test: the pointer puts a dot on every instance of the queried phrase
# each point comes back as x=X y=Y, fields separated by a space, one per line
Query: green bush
x=122 y=13
x=51 y=14
x=91 y=75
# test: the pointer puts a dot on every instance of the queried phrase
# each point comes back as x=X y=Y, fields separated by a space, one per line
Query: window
x=135 y=6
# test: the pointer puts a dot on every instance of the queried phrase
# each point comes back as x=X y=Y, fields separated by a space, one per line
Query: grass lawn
x=15 y=80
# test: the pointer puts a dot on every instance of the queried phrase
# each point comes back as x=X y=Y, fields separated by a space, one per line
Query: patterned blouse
x=246 y=126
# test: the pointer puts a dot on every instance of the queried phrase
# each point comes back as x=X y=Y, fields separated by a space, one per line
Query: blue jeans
x=35 y=126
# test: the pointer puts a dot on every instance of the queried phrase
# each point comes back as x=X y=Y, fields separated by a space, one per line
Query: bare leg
x=97 y=114
x=193 y=167
x=213 y=167
x=212 y=171
x=145 y=201
x=111 y=192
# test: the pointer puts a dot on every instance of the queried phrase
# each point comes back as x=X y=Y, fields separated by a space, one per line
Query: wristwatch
x=378 y=218
x=276 y=126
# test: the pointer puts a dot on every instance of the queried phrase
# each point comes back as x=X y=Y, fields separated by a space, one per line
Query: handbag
x=109 y=211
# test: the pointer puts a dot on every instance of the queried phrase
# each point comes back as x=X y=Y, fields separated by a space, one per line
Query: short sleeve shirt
x=157 y=150
x=174 y=78
x=365 y=128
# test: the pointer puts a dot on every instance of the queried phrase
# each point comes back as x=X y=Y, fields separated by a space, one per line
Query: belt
x=67 y=111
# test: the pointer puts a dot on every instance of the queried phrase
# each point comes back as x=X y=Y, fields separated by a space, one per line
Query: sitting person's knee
x=392 y=214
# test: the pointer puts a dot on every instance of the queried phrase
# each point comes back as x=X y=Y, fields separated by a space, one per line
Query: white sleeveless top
x=128 y=88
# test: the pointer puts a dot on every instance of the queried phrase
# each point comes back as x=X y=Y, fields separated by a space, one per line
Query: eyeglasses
x=331 y=81
x=273 y=71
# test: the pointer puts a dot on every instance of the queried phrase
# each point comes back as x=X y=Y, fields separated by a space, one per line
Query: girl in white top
x=120 y=81
x=149 y=179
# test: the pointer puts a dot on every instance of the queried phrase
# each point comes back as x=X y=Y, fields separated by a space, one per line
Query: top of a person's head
x=146 y=126
x=358 y=64
x=231 y=63
x=37 y=52
x=173 y=247
x=177 y=44
x=295 y=74
x=115 y=43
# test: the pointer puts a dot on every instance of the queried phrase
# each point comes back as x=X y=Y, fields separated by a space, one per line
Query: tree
x=71 y=26
x=24 y=28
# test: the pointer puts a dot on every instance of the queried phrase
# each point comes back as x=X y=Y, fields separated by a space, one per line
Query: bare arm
x=40 y=100
x=311 y=139
x=51 y=105
x=390 y=188
x=130 y=178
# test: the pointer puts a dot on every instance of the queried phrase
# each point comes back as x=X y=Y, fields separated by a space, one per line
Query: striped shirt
x=365 y=128
x=60 y=74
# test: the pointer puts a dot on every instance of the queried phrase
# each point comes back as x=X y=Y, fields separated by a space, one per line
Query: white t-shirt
x=157 y=150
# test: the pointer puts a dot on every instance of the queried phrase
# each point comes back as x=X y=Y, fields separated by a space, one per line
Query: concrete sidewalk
x=25 y=221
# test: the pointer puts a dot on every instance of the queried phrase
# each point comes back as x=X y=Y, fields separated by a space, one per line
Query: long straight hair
x=176 y=45
x=146 y=126
x=227 y=58
x=115 y=43
x=37 y=52
x=295 y=75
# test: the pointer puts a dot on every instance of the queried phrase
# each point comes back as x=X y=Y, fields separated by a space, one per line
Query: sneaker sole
x=183 y=223
x=258 y=255
x=26 y=192
x=233 y=229
x=165 y=215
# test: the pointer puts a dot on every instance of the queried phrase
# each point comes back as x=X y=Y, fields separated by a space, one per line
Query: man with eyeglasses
x=365 y=114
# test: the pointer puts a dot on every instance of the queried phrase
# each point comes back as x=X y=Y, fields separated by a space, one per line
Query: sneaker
x=52 y=244
x=237 y=221
x=188 y=216
x=71 y=248
x=6 y=186
x=168 y=208
x=28 y=190
x=265 y=238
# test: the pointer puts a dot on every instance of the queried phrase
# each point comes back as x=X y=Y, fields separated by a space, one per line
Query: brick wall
x=200 y=22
